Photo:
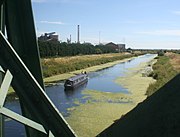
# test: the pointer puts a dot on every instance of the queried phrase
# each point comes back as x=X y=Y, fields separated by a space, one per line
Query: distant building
x=122 y=47
x=49 y=37
x=117 y=47
x=129 y=50
x=113 y=45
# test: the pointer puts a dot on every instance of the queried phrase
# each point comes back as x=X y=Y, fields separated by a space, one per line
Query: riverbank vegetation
x=164 y=69
x=55 y=48
x=55 y=66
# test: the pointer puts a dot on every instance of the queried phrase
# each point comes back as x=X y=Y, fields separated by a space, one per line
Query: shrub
x=163 y=72
x=161 y=53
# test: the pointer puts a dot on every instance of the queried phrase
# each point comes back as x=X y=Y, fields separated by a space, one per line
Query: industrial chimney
x=78 y=34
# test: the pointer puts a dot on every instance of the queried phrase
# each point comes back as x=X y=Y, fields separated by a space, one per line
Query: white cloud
x=176 y=12
x=53 y=22
x=161 y=32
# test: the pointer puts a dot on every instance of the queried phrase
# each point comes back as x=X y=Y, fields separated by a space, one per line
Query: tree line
x=55 y=48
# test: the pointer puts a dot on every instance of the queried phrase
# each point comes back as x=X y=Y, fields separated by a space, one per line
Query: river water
x=102 y=80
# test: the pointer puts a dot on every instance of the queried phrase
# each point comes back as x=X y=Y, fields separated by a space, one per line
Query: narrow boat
x=75 y=81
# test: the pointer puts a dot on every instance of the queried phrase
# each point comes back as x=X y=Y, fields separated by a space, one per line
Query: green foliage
x=176 y=51
x=98 y=51
x=163 y=72
x=53 y=49
x=161 y=53
x=105 y=49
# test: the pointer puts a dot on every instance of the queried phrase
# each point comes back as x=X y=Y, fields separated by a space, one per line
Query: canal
x=102 y=80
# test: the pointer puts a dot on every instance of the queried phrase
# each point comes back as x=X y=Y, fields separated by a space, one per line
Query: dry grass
x=55 y=66
x=174 y=60
x=54 y=79
x=83 y=57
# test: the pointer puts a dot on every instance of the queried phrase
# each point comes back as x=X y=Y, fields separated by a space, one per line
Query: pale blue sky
x=138 y=23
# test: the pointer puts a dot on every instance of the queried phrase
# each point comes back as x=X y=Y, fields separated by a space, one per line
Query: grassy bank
x=55 y=66
x=165 y=69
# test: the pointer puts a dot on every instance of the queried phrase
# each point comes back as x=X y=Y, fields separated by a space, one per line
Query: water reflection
x=71 y=92
x=129 y=60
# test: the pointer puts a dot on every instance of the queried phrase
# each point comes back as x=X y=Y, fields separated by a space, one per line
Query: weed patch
x=163 y=71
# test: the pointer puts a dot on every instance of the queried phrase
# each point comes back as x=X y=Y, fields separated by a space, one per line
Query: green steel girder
x=1 y=125
x=21 y=34
x=31 y=93
x=2 y=18
x=9 y=113
x=4 y=88
x=1 y=2
x=21 y=119
x=2 y=28
x=22 y=59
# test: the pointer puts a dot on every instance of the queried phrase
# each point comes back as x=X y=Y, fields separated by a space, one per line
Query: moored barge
x=76 y=81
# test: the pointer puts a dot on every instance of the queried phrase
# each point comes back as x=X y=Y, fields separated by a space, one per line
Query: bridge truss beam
x=19 y=54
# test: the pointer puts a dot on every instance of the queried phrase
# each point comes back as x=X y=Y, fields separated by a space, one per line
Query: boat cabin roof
x=76 y=77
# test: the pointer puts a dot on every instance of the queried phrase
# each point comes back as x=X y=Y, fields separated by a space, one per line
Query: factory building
x=122 y=47
x=117 y=47
x=49 y=37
